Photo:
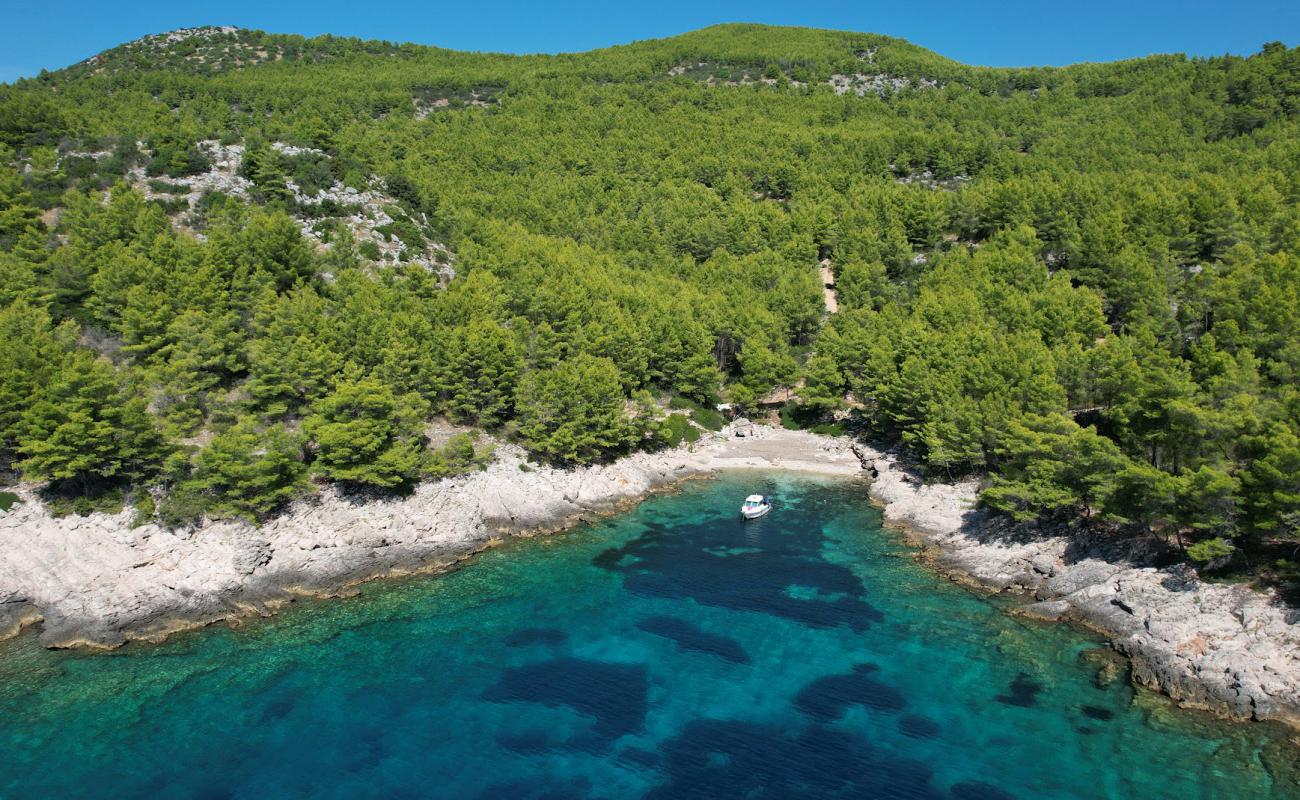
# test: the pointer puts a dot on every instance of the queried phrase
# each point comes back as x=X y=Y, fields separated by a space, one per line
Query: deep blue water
x=671 y=652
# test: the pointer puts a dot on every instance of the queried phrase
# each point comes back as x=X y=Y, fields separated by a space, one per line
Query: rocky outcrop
x=366 y=213
x=1223 y=648
x=97 y=581
x=880 y=85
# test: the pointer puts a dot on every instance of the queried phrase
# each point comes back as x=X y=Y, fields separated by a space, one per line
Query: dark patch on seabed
x=720 y=759
x=1023 y=692
x=826 y=698
x=919 y=727
x=614 y=695
x=542 y=787
x=754 y=566
x=526 y=636
x=978 y=790
x=526 y=742
x=639 y=757
x=691 y=637
x=1097 y=712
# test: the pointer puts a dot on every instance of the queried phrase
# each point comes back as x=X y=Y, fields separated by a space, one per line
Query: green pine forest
x=1080 y=283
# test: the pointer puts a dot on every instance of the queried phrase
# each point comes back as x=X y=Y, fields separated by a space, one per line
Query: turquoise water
x=671 y=652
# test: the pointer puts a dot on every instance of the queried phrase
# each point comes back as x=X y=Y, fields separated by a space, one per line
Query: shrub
x=829 y=429
x=64 y=498
x=311 y=171
x=173 y=206
x=453 y=458
x=677 y=428
x=178 y=162
x=1209 y=550
x=165 y=187
x=182 y=507
x=145 y=509
x=790 y=418
x=704 y=416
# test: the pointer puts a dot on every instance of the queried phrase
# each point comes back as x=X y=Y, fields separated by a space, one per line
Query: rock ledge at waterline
x=96 y=581
x=1223 y=648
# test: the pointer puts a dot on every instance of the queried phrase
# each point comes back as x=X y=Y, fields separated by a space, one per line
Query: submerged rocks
x=1224 y=648
x=1110 y=665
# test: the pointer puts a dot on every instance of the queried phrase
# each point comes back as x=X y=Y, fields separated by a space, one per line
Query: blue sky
x=1007 y=33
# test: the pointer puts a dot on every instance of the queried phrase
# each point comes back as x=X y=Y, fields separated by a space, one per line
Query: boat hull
x=756 y=513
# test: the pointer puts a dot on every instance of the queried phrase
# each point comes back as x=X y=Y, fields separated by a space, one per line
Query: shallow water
x=671 y=652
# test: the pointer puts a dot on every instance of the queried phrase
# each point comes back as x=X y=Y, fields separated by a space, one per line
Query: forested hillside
x=234 y=265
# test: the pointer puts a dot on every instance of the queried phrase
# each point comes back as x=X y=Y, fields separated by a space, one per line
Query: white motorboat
x=755 y=506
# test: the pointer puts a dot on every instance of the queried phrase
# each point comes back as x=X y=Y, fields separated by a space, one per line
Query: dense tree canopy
x=365 y=435
x=1084 y=281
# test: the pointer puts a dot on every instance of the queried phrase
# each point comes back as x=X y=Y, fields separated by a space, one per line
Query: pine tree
x=85 y=427
x=823 y=388
x=365 y=435
x=484 y=361
x=17 y=213
x=574 y=412
x=290 y=363
x=32 y=352
x=1050 y=464
x=248 y=471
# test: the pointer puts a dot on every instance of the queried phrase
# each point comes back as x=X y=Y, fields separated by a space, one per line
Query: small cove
x=673 y=651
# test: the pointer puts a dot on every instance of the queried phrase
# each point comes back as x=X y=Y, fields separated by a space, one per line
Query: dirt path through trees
x=828 y=287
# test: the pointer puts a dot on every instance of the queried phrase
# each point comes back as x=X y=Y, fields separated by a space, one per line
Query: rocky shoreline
x=1227 y=649
x=95 y=581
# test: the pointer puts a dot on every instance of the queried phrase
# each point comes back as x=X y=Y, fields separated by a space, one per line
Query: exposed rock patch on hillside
x=365 y=213
x=721 y=74
x=210 y=47
x=879 y=84
x=430 y=103
x=1224 y=648
x=929 y=180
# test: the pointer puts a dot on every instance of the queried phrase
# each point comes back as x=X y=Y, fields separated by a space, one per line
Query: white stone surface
x=1225 y=648
x=94 y=580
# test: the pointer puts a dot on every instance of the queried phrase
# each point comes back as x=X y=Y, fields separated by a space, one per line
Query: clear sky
x=38 y=35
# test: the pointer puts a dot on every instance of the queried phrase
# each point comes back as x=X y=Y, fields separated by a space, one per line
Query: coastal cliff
x=1223 y=648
